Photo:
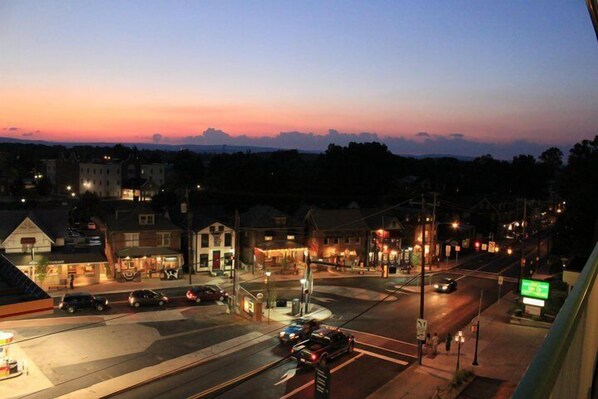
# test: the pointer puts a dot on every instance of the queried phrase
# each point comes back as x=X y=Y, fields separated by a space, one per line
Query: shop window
x=228 y=239
x=203 y=260
x=205 y=240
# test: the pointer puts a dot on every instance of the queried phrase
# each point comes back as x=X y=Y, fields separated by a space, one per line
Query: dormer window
x=146 y=219
x=212 y=229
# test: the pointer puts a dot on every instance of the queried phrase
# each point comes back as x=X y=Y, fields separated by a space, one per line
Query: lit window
x=131 y=239
x=163 y=239
x=267 y=238
x=290 y=237
x=146 y=219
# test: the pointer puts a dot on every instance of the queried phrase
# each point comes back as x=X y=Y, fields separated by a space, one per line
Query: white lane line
x=379 y=356
x=379 y=336
x=302 y=387
x=386 y=349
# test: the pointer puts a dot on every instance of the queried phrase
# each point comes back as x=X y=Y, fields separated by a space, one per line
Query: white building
x=213 y=248
x=102 y=179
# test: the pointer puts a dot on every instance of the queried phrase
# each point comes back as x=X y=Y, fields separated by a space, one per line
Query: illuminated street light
x=68 y=188
x=23 y=200
x=455 y=225
x=510 y=251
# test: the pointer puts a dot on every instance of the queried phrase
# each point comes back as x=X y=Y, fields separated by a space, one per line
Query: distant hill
x=202 y=149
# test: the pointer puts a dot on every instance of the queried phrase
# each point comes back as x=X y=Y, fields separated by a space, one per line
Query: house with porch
x=36 y=242
x=337 y=236
x=142 y=244
x=271 y=239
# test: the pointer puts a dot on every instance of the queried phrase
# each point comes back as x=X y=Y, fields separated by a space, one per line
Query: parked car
x=446 y=285
x=323 y=345
x=299 y=329
x=139 y=298
x=203 y=293
x=82 y=300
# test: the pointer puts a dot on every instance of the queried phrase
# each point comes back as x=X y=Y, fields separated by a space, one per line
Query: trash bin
x=281 y=303
x=296 y=308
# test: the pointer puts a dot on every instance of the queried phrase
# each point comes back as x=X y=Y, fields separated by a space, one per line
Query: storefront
x=135 y=263
x=284 y=255
x=57 y=269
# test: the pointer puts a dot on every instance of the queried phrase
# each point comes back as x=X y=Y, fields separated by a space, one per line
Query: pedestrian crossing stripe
x=379 y=356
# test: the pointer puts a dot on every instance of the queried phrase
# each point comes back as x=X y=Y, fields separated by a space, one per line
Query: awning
x=28 y=240
x=280 y=245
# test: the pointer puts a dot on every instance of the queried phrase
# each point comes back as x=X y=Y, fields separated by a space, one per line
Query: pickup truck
x=322 y=346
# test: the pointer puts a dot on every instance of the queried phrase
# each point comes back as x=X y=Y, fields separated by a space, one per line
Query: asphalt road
x=381 y=313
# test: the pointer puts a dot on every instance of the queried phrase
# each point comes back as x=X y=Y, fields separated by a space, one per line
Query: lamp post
x=460 y=340
x=302 y=281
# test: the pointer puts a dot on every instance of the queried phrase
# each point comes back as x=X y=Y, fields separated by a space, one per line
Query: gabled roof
x=336 y=219
x=129 y=222
x=381 y=218
x=53 y=223
x=263 y=216
x=207 y=215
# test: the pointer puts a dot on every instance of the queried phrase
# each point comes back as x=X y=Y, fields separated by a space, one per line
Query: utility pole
x=423 y=276
x=189 y=237
x=522 y=260
x=236 y=259
x=434 y=233
x=477 y=331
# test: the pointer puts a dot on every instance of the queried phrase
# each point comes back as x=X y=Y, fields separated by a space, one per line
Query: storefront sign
x=535 y=288
x=249 y=305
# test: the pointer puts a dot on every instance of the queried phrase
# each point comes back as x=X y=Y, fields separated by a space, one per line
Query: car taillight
x=314 y=357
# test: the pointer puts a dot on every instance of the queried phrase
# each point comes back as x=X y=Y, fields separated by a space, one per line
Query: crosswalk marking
x=386 y=349
x=379 y=356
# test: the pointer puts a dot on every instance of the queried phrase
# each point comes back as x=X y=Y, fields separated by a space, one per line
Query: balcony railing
x=565 y=365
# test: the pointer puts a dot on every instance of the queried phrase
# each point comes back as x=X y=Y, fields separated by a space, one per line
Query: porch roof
x=139 y=252
x=279 y=245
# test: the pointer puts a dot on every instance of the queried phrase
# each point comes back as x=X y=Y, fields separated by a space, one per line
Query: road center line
x=379 y=356
x=302 y=387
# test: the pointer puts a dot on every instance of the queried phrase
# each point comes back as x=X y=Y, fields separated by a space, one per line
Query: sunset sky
x=484 y=72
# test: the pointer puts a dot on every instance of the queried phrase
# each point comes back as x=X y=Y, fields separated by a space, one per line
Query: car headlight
x=291 y=336
x=444 y=288
x=281 y=334
x=106 y=302
x=436 y=286
x=165 y=298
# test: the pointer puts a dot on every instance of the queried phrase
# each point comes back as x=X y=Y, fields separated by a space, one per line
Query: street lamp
x=302 y=281
x=460 y=340
x=268 y=274
x=477 y=331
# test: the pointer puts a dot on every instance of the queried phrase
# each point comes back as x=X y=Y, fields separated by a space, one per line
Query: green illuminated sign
x=535 y=289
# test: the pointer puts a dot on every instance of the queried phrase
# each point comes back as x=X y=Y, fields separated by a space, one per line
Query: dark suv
x=82 y=300
x=138 y=298
x=203 y=293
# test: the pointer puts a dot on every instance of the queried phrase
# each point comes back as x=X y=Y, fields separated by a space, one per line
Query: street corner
x=29 y=380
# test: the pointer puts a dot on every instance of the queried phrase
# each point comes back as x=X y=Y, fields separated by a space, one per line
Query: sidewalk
x=504 y=352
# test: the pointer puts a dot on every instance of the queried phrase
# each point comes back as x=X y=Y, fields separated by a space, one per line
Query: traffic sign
x=322 y=382
x=500 y=280
x=422 y=326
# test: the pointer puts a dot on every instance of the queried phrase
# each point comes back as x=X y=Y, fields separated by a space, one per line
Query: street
x=379 y=312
